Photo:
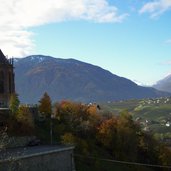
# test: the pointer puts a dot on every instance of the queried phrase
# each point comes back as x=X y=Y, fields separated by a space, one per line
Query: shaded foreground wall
x=59 y=160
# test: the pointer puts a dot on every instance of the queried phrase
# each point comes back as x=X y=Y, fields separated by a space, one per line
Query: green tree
x=45 y=106
x=14 y=103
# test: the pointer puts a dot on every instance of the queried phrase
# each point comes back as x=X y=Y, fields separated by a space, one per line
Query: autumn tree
x=68 y=138
x=45 y=105
x=76 y=118
x=24 y=115
x=25 y=119
x=107 y=134
x=117 y=137
x=127 y=136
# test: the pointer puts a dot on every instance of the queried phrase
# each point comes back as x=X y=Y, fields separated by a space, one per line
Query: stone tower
x=7 y=86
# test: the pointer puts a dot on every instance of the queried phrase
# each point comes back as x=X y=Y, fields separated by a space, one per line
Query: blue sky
x=130 y=38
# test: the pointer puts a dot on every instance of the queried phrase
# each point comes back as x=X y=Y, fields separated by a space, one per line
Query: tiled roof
x=3 y=59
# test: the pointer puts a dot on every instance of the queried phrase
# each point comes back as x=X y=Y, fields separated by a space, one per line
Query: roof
x=3 y=59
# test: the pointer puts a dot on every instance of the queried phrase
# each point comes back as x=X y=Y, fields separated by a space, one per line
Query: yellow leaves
x=25 y=116
x=76 y=116
x=22 y=123
x=45 y=106
x=68 y=138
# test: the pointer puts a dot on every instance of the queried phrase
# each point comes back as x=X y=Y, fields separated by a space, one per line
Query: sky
x=130 y=38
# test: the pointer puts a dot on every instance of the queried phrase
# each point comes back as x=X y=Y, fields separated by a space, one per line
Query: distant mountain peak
x=164 y=84
x=39 y=57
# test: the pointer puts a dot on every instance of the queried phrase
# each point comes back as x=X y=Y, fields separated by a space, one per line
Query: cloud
x=18 y=16
x=156 y=7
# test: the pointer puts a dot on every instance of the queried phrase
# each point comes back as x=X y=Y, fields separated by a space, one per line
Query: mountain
x=73 y=80
x=164 y=84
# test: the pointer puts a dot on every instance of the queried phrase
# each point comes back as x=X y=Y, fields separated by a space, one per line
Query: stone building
x=7 y=86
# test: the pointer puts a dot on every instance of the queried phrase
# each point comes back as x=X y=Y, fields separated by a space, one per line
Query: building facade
x=7 y=85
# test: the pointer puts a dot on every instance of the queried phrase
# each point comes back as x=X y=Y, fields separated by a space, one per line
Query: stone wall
x=56 y=160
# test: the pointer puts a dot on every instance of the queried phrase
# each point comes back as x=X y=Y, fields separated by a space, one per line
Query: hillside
x=73 y=80
x=154 y=115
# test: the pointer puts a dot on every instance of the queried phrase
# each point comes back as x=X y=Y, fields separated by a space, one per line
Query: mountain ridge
x=73 y=80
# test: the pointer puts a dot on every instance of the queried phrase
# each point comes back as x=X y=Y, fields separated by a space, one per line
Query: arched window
x=1 y=82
